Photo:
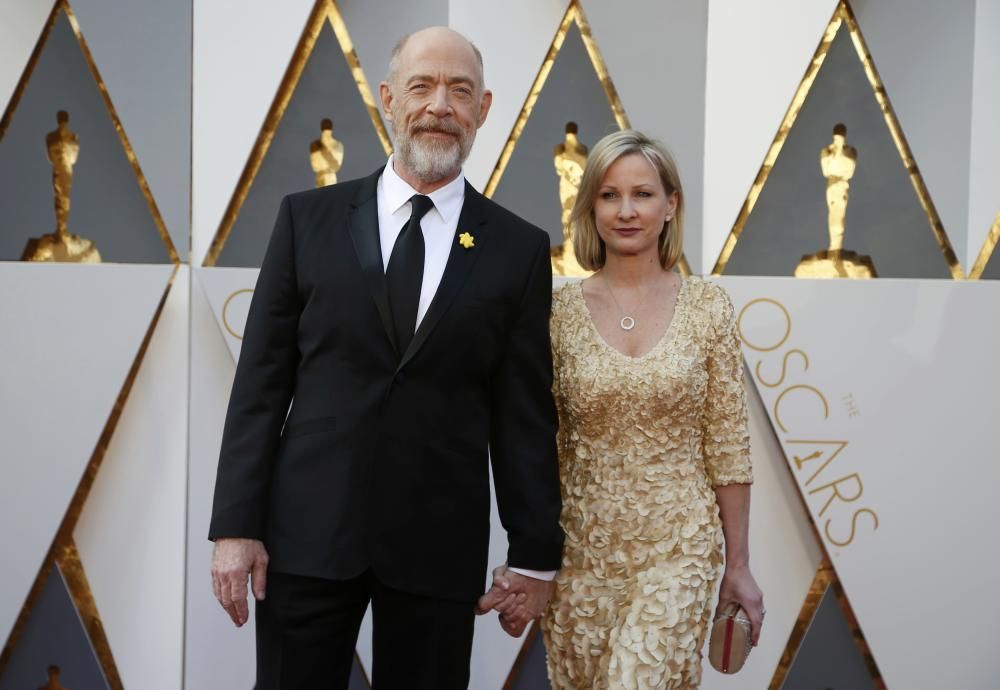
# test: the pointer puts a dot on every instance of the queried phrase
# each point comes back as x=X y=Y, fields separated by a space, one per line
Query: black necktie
x=405 y=273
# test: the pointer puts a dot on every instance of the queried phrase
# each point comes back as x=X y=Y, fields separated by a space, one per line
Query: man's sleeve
x=523 y=430
x=262 y=391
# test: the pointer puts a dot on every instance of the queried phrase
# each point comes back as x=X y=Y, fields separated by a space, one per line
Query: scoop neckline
x=667 y=335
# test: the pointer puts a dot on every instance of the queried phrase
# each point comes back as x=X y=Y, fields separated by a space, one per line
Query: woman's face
x=632 y=206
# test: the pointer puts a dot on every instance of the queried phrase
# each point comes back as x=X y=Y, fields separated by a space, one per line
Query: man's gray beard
x=430 y=163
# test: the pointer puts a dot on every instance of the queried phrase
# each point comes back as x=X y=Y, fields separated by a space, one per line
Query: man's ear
x=385 y=97
x=484 y=107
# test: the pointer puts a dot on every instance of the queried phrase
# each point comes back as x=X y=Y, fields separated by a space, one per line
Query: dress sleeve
x=725 y=432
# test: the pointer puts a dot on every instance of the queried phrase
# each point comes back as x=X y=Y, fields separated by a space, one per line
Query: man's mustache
x=444 y=126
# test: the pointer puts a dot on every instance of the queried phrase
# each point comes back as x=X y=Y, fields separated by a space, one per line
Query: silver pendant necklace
x=627 y=323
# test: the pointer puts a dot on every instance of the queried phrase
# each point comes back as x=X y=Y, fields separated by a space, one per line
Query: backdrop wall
x=115 y=378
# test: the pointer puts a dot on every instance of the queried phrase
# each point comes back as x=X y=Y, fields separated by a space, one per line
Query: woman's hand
x=739 y=586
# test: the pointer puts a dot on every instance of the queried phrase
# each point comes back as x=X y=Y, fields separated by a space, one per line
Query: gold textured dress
x=642 y=443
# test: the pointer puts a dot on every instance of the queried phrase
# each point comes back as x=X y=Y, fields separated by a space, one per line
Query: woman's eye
x=608 y=195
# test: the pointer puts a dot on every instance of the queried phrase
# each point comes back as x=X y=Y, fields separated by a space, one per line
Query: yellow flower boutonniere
x=467 y=240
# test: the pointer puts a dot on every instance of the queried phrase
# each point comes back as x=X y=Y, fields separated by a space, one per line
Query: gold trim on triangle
x=574 y=13
x=63 y=549
x=22 y=84
x=820 y=583
x=992 y=237
x=843 y=14
x=68 y=560
x=29 y=69
x=323 y=11
x=826 y=577
x=859 y=637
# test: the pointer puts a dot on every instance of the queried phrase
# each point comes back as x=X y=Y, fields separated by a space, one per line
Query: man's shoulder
x=332 y=195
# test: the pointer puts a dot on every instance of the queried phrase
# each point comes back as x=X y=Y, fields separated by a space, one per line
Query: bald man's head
x=443 y=37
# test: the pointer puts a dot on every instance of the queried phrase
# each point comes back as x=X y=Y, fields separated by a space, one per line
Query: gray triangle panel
x=358 y=680
x=992 y=270
x=54 y=636
x=326 y=89
x=828 y=658
x=884 y=217
x=108 y=206
x=572 y=93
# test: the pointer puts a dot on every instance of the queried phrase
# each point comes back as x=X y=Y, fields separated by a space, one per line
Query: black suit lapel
x=365 y=235
x=472 y=220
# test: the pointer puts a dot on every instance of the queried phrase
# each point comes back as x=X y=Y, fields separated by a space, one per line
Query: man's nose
x=438 y=104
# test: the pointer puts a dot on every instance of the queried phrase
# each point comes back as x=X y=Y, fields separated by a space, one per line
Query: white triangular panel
x=70 y=336
x=984 y=136
x=364 y=645
x=139 y=500
x=241 y=55
x=22 y=25
x=880 y=393
x=229 y=291
x=217 y=654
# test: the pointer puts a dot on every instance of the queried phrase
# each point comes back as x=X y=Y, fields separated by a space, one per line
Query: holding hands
x=518 y=599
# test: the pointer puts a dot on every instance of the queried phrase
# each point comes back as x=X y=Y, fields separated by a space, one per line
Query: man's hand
x=518 y=599
x=232 y=561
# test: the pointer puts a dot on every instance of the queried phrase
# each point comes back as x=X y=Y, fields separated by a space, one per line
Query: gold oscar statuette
x=326 y=155
x=838 y=162
x=53 y=683
x=64 y=148
x=570 y=157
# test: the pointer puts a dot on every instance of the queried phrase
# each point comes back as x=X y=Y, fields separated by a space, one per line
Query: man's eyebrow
x=461 y=79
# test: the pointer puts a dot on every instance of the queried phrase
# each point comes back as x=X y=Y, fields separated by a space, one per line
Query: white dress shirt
x=439 y=226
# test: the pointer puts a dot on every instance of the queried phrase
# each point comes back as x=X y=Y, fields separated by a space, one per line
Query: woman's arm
x=738 y=583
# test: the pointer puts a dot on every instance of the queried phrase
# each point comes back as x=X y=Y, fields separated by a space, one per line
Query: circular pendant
x=628 y=323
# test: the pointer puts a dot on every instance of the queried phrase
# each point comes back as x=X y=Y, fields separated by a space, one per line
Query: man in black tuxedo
x=404 y=319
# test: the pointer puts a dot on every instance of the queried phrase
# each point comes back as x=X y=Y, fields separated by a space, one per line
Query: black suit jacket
x=382 y=461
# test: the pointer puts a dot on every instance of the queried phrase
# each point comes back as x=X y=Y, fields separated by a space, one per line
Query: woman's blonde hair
x=587 y=243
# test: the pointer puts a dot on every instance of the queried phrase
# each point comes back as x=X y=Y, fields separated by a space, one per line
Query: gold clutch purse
x=729 y=645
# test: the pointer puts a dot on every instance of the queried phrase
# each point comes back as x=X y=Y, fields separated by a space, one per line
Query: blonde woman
x=653 y=440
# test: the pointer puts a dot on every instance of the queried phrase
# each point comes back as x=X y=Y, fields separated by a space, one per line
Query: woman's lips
x=628 y=232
